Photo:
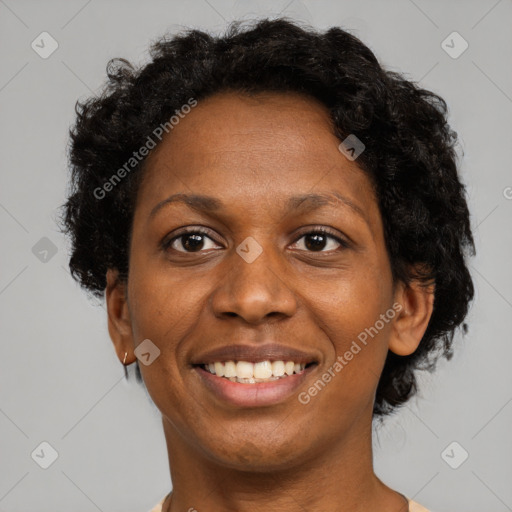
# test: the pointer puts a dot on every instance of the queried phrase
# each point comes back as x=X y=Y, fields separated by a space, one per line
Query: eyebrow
x=303 y=203
x=199 y=203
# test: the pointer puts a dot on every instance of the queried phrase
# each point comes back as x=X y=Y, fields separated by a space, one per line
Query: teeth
x=229 y=369
x=244 y=371
x=219 y=369
x=263 y=370
x=278 y=368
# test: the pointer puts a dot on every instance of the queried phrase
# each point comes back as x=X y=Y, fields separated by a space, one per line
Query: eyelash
x=166 y=244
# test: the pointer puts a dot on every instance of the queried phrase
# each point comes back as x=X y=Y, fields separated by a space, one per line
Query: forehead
x=231 y=124
x=248 y=148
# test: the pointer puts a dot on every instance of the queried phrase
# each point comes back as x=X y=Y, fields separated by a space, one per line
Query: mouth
x=246 y=372
x=253 y=384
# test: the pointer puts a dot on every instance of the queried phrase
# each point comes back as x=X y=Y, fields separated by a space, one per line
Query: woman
x=280 y=234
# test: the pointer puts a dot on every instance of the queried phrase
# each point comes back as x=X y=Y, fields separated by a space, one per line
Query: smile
x=238 y=383
x=251 y=373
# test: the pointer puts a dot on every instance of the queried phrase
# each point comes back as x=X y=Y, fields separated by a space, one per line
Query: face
x=287 y=248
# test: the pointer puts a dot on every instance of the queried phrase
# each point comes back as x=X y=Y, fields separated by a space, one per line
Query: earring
x=124 y=366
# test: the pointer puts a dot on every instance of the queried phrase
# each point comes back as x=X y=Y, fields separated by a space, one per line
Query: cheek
x=164 y=311
x=350 y=302
x=161 y=301
x=349 y=312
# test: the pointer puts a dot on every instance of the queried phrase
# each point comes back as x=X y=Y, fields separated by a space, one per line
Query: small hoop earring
x=124 y=366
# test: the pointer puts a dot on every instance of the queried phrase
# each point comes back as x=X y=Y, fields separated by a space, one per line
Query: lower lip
x=253 y=395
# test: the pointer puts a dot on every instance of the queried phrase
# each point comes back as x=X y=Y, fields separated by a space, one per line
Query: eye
x=320 y=239
x=189 y=241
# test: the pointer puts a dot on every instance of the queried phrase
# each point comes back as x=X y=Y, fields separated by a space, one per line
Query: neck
x=338 y=476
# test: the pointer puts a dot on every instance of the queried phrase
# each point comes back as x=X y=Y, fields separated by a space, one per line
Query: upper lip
x=254 y=353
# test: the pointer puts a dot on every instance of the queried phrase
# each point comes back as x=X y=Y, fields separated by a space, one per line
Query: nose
x=254 y=291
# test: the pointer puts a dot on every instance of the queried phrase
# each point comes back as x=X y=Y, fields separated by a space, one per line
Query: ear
x=119 y=321
x=417 y=301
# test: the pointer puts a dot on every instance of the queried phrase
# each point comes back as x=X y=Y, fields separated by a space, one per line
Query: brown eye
x=320 y=241
x=315 y=241
x=190 y=241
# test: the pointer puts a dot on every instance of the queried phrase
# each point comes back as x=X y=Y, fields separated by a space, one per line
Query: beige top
x=413 y=506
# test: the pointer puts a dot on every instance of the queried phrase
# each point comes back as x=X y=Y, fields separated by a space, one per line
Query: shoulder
x=413 y=507
x=158 y=506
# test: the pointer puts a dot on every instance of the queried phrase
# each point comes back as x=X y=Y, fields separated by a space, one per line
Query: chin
x=257 y=457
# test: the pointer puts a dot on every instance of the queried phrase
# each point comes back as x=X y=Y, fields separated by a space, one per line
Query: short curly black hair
x=410 y=158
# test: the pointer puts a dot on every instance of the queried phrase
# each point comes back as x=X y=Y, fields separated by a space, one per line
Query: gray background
x=60 y=380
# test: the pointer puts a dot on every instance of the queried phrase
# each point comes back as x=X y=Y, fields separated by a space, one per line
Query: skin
x=253 y=153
